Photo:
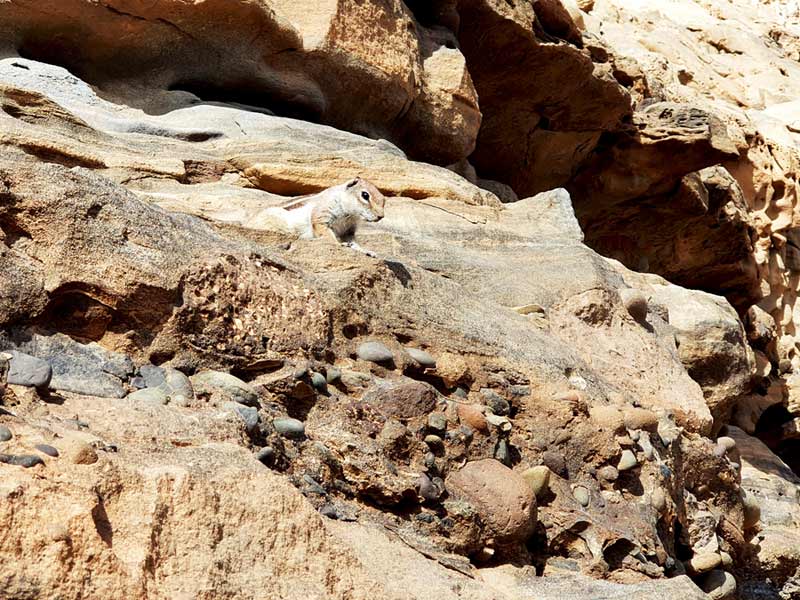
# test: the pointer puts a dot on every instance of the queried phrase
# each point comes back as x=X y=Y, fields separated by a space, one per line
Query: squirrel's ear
x=352 y=183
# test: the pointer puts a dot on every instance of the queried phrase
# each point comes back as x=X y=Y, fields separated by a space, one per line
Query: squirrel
x=335 y=211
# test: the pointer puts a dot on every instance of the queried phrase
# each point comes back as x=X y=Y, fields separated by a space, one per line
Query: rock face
x=513 y=397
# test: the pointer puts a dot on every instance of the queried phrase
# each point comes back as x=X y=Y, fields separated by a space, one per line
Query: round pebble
x=538 y=478
x=319 y=382
x=5 y=433
x=497 y=403
x=627 y=461
x=374 y=352
x=24 y=460
x=47 y=449
x=581 y=495
x=289 y=427
x=719 y=585
x=608 y=473
x=704 y=562
x=434 y=441
x=421 y=357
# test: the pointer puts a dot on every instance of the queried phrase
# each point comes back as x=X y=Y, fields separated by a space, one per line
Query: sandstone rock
x=472 y=415
x=404 y=399
x=719 y=585
x=83 y=454
x=504 y=499
x=702 y=563
x=639 y=418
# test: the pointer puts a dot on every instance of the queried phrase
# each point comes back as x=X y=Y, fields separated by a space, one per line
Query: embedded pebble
x=289 y=427
x=704 y=562
x=226 y=385
x=437 y=422
x=426 y=489
x=720 y=451
x=608 y=473
x=581 y=495
x=726 y=442
x=627 y=461
x=177 y=386
x=429 y=460
x=29 y=371
x=149 y=395
x=502 y=453
x=659 y=500
x=473 y=416
x=555 y=462
x=434 y=441
x=646 y=446
x=300 y=372
x=752 y=512
x=23 y=460
x=640 y=418
x=497 y=403
x=319 y=382
x=153 y=376
x=727 y=560
x=420 y=356
x=47 y=449
x=374 y=352
x=266 y=455
x=332 y=375
x=719 y=585
x=312 y=486
x=538 y=478
x=248 y=414
x=5 y=433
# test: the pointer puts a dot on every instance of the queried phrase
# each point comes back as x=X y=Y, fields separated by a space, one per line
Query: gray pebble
x=520 y=391
x=426 y=489
x=461 y=393
x=627 y=461
x=437 y=422
x=502 y=453
x=300 y=372
x=24 y=460
x=312 y=487
x=420 y=356
x=248 y=414
x=332 y=375
x=139 y=383
x=177 y=385
x=608 y=473
x=429 y=460
x=289 y=427
x=319 y=382
x=374 y=352
x=330 y=511
x=154 y=396
x=5 y=433
x=47 y=449
x=424 y=517
x=434 y=441
x=28 y=370
x=226 y=385
x=119 y=368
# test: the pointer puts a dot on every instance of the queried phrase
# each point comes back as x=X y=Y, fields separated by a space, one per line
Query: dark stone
x=427 y=489
x=5 y=433
x=497 y=403
x=24 y=460
x=437 y=422
x=330 y=511
x=121 y=367
x=248 y=414
x=502 y=453
x=28 y=370
x=312 y=487
x=424 y=517
x=47 y=449
x=555 y=462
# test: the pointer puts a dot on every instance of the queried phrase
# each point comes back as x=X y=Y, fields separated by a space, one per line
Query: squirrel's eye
x=365 y=196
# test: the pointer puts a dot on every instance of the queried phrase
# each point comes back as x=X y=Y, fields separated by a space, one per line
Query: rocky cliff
x=571 y=370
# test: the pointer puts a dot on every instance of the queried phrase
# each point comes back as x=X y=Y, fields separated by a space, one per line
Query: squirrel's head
x=368 y=198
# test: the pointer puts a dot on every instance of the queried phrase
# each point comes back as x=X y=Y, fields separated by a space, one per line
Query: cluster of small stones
x=420 y=429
